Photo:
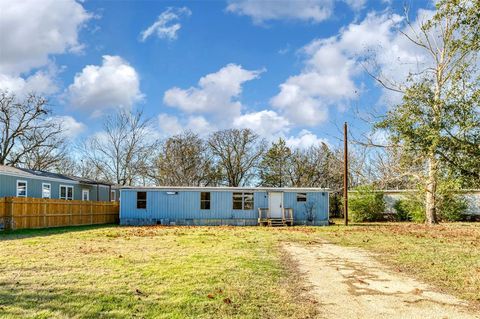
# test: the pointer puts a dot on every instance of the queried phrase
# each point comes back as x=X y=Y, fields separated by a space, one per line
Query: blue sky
x=283 y=68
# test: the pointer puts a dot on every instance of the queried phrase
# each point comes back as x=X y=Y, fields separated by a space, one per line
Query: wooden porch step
x=277 y=223
x=264 y=218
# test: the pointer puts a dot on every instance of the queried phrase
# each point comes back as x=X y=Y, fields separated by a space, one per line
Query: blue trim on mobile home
x=182 y=206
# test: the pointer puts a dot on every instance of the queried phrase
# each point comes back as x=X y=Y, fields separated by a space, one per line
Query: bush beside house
x=367 y=205
x=451 y=207
x=410 y=209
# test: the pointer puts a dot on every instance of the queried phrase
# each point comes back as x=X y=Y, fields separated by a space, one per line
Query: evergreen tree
x=275 y=165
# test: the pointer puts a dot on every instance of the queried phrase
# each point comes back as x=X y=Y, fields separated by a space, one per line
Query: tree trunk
x=431 y=196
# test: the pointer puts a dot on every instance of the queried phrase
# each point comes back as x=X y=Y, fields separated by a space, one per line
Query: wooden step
x=277 y=222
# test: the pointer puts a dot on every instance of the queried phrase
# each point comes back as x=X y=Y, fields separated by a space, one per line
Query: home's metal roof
x=225 y=188
x=30 y=173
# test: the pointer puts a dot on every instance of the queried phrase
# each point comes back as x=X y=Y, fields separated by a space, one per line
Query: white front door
x=275 y=204
x=85 y=194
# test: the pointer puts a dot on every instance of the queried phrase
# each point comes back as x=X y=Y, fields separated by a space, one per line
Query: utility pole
x=345 y=173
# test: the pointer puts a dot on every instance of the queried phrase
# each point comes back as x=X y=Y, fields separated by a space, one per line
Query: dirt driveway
x=350 y=283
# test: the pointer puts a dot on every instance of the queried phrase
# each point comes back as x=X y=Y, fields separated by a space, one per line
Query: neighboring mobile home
x=21 y=182
x=471 y=196
x=223 y=206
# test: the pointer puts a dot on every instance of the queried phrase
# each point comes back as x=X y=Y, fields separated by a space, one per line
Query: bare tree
x=319 y=166
x=119 y=153
x=29 y=136
x=393 y=169
x=305 y=167
x=69 y=165
x=48 y=157
x=237 y=153
x=183 y=160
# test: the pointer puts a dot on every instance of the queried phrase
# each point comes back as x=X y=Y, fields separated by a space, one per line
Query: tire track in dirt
x=350 y=283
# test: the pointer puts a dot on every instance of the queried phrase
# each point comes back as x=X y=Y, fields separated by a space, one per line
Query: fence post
x=70 y=212
x=80 y=213
x=9 y=213
x=44 y=210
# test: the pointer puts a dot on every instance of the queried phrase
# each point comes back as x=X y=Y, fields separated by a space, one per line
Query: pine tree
x=275 y=165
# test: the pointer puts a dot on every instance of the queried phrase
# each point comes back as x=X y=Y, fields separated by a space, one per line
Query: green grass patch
x=148 y=272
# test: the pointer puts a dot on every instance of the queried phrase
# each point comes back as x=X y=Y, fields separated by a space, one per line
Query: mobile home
x=223 y=206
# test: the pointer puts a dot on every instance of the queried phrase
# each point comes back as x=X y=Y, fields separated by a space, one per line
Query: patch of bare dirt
x=350 y=283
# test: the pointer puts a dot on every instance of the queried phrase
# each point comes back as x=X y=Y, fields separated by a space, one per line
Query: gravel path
x=350 y=283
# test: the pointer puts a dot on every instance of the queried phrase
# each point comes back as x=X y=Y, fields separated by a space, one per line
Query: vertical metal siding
x=186 y=205
x=319 y=199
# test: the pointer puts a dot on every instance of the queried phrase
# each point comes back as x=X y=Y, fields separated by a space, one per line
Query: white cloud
x=164 y=27
x=113 y=84
x=30 y=34
x=31 y=31
x=356 y=4
x=305 y=139
x=299 y=100
x=331 y=67
x=327 y=78
x=172 y=125
x=199 y=125
x=41 y=82
x=266 y=123
x=217 y=93
x=314 y=11
x=71 y=127
x=169 y=125
x=261 y=11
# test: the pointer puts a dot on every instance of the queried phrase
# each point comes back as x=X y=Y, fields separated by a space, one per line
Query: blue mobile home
x=21 y=182
x=223 y=206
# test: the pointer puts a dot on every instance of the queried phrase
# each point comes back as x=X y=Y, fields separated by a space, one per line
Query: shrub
x=366 y=205
x=452 y=207
x=410 y=208
x=401 y=210
x=336 y=206
x=417 y=211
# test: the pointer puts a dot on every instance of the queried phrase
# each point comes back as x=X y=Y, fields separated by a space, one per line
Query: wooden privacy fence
x=18 y=212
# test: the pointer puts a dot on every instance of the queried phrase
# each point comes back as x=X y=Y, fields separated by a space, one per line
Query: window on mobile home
x=205 y=200
x=247 y=201
x=301 y=197
x=141 y=200
x=237 y=201
x=243 y=201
